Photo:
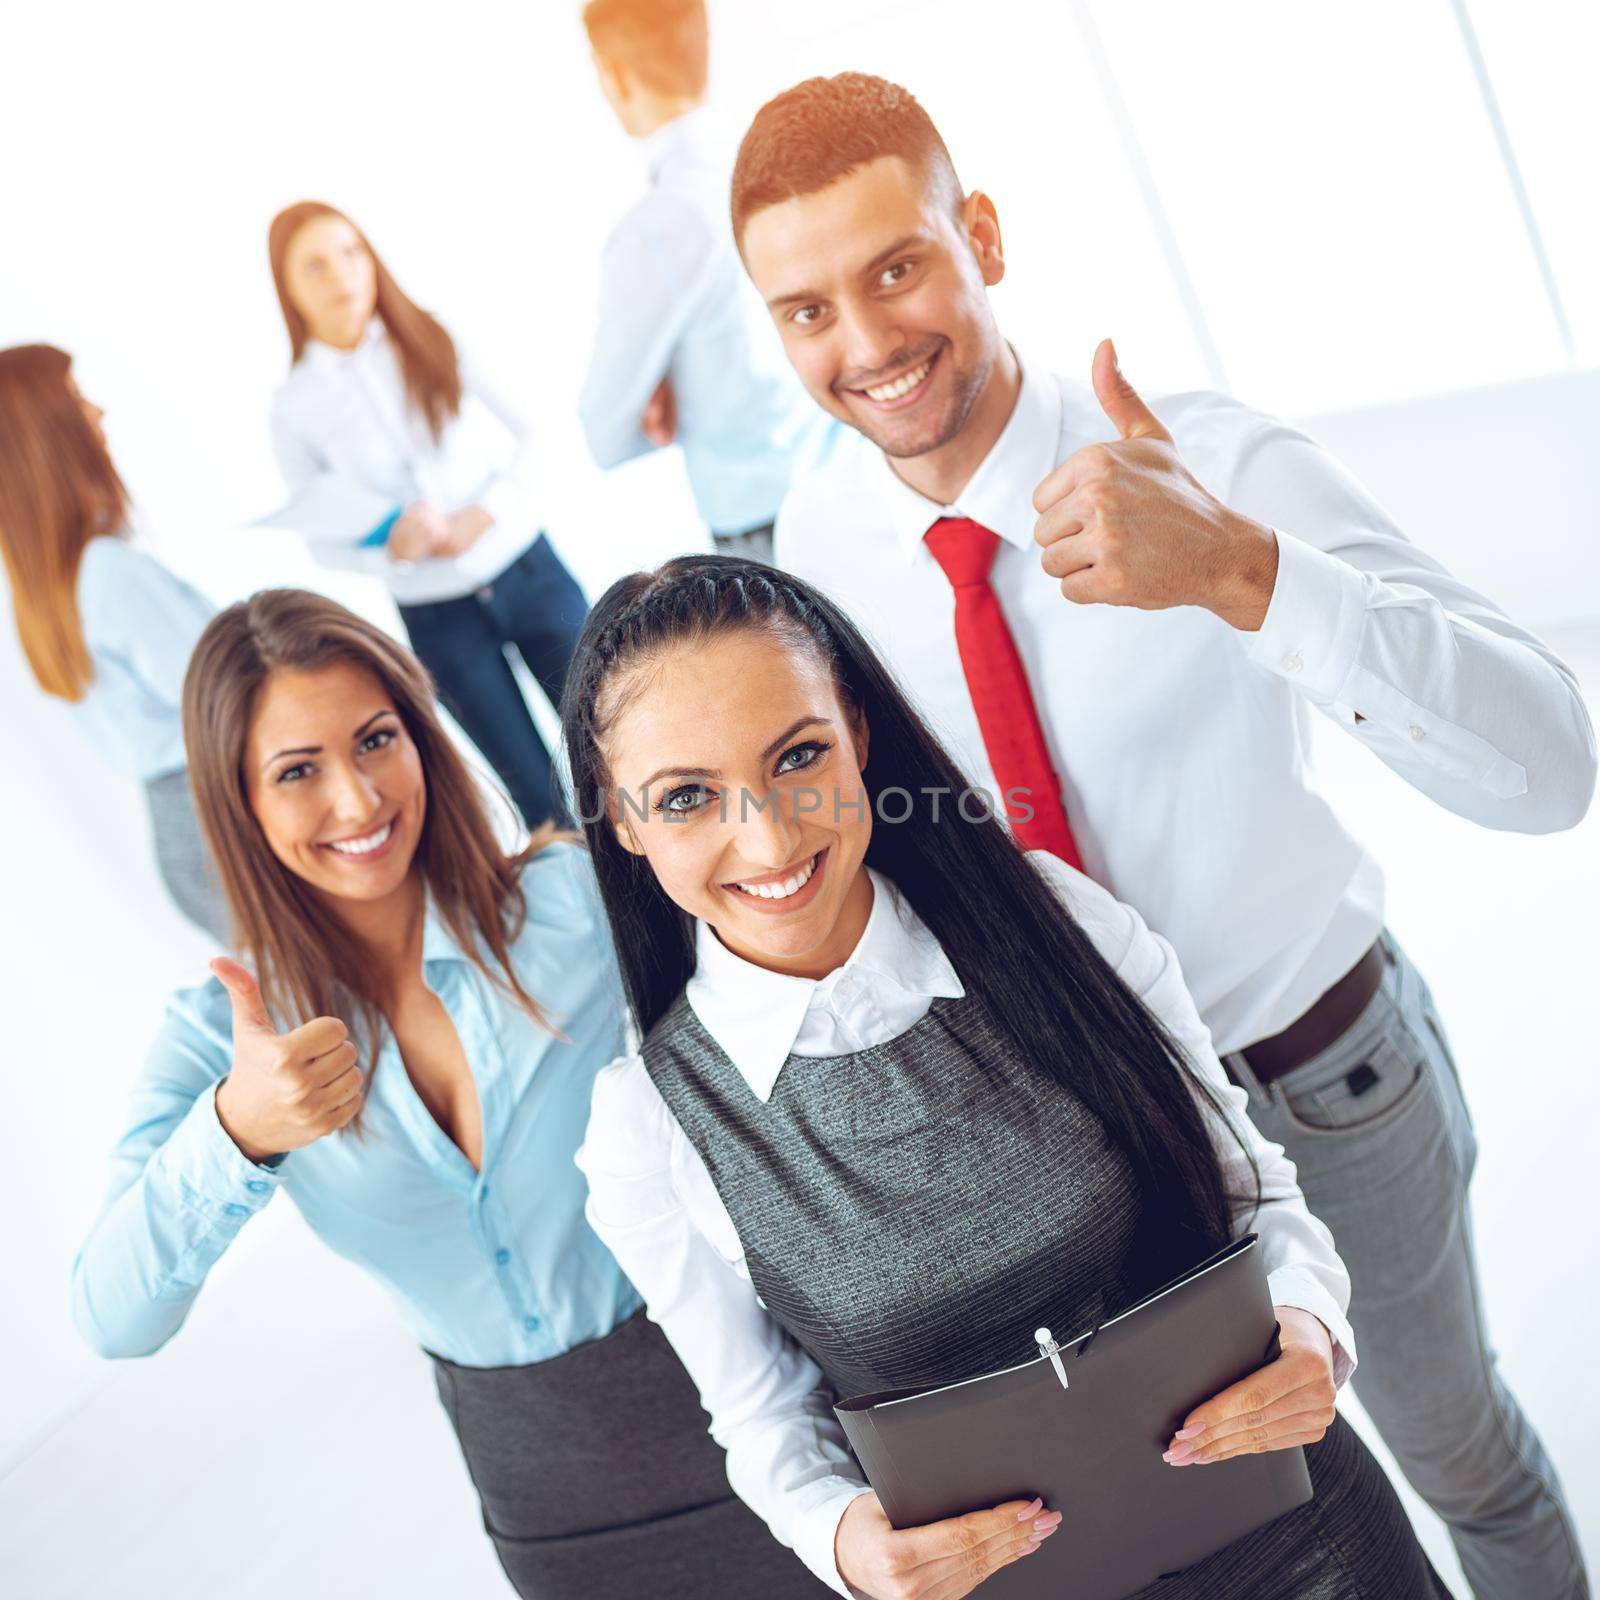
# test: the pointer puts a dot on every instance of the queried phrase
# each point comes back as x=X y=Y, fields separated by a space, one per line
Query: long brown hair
x=428 y=360
x=307 y=964
x=58 y=490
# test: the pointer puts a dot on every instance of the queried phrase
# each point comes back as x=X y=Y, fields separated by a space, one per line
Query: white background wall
x=1309 y=205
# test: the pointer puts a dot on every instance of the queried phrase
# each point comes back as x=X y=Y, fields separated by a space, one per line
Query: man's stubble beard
x=967 y=386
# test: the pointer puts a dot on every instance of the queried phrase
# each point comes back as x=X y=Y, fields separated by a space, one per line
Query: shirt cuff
x=380 y=534
x=215 y=1176
x=1314 y=620
x=817 y=1526
x=1289 y=1286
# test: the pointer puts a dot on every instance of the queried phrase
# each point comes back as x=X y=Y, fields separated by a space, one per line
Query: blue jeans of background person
x=535 y=607
x=1385 y=1156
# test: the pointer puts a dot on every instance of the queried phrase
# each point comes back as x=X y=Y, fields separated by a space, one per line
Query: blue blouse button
x=256 y=1186
x=234 y=1209
x=531 y=1324
x=502 y=1256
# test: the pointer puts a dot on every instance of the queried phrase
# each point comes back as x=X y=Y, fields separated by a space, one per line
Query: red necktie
x=998 y=684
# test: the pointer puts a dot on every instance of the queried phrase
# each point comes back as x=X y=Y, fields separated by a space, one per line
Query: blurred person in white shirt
x=1122 y=617
x=682 y=350
x=403 y=460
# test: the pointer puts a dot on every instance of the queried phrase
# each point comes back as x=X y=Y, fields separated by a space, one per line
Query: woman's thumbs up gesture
x=1126 y=524
x=286 y=1089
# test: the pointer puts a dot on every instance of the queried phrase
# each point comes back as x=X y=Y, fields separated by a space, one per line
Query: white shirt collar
x=756 y=1015
x=1000 y=493
x=683 y=135
x=325 y=355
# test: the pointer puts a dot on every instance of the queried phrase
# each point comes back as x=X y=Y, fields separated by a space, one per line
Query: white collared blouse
x=654 y=1204
x=355 y=452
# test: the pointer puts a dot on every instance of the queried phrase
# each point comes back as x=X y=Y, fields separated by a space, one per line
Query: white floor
x=288 y=1442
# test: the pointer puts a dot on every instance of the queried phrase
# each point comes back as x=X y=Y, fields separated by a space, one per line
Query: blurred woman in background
x=400 y=460
x=104 y=626
x=411 y=1059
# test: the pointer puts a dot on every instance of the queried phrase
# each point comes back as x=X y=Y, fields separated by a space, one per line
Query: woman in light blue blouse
x=411 y=1060
x=104 y=625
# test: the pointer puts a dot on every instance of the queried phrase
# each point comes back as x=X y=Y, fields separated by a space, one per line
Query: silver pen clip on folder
x=1048 y=1347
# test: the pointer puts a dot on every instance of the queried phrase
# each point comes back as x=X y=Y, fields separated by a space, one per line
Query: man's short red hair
x=812 y=135
x=664 y=43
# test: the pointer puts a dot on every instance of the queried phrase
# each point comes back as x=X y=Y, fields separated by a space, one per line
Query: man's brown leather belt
x=1326 y=1021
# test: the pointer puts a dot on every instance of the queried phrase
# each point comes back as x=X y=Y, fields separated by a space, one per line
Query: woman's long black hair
x=1009 y=939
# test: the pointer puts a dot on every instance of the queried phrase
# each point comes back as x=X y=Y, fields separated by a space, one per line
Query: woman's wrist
x=1299 y=1326
x=838 y=1565
x=252 y=1152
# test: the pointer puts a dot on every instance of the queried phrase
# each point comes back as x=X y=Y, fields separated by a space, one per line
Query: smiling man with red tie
x=1120 y=617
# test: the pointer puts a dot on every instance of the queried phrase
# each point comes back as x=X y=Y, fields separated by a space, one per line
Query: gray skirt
x=1351 y=1541
x=181 y=856
x=598 y=1479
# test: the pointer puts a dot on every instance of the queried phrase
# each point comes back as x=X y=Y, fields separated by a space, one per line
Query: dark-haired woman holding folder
x=906 y=1093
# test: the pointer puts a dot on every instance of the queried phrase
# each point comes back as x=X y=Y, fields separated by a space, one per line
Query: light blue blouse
x=140 y=623
x=490 y=1268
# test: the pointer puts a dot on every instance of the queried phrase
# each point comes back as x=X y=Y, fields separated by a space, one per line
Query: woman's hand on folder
x=941 y=1561
x=1288 y=1402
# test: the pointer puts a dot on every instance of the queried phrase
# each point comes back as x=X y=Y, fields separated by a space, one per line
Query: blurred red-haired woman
x=402 y=461
x=104 y=625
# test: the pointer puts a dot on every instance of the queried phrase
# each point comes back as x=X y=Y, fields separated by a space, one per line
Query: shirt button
x=1417 y=734
x=502 y=1256
x=1291 y=663
x=531 y=1324
x=256 y=1186
x=234 y=1209
x=483 y=1194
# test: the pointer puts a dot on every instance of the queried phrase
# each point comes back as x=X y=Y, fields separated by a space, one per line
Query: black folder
x=1084 y=1426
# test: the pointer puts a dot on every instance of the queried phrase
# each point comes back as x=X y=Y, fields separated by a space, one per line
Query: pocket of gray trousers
x=1378 y=1085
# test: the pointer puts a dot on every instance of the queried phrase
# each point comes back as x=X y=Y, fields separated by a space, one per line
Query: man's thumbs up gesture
x=286 y=1089
x=1125 y=524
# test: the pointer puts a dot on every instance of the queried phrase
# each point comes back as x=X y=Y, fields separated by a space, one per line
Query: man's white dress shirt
x=1182 y=744
x=653 y=1202
x=674 y=303
x=354 y=451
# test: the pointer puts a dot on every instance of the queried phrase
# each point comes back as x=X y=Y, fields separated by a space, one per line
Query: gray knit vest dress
x=911 y=1213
